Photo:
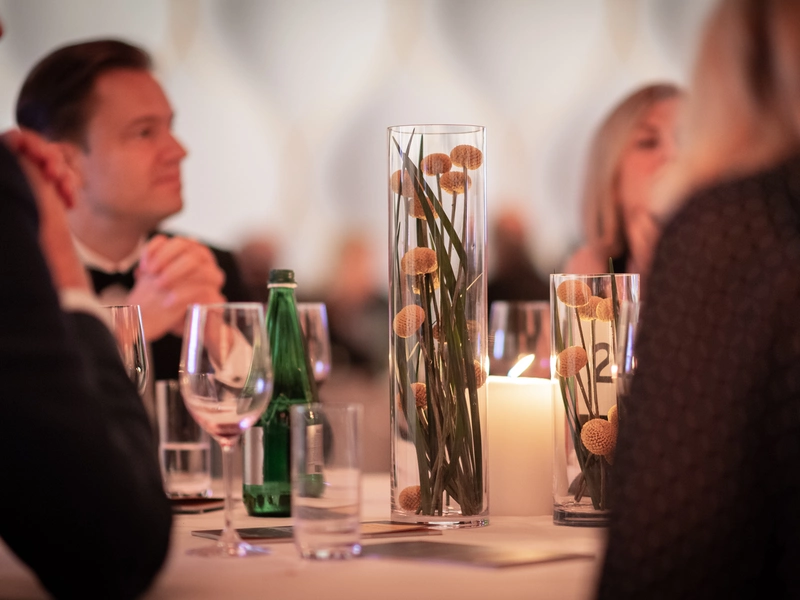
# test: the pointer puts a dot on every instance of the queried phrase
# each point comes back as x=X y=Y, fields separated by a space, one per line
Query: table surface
x=284 y=575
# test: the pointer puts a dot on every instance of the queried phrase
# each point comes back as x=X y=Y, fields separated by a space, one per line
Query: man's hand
x=53 y=184
x=173 y=273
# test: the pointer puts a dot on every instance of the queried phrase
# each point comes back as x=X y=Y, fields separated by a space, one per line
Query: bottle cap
x=281 y=276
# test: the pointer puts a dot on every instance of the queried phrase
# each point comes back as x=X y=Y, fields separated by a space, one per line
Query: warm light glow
x=522 y=364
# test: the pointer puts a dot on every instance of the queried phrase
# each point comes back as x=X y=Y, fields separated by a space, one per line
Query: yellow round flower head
x=570 y=361
x=599 y=436
x=420 y=394
x=409 y=498
x=418 y=261
x=408 y=320
x=574 y=293
x=613 y=416
x=588 y=312
x=466 y=156
x=453 y=182
x=480 y=374
x=415 y=208
x=407 y=188
x=605 y=310
x=436 y=164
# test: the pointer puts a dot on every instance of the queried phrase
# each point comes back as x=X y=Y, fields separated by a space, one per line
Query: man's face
x=130 y=164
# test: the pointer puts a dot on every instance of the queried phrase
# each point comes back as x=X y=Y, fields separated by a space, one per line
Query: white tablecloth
x=283 y=575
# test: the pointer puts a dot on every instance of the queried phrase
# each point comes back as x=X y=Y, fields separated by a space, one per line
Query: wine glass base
x=237 y=550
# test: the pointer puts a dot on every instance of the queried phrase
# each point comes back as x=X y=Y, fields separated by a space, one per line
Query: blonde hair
x=603 y=227
x=742 y=115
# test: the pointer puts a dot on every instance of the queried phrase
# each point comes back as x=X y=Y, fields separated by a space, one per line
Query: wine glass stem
x=229 y=536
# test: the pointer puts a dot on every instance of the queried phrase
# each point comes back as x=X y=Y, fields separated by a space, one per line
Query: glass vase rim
x=456 y=128
x=589 y=275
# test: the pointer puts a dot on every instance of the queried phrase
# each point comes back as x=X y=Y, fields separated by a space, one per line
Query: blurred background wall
x=284 y=104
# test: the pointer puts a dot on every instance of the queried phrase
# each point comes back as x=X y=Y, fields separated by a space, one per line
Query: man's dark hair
x=56 y=98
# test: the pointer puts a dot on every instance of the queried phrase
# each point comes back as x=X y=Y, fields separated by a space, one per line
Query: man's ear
x=73 y=156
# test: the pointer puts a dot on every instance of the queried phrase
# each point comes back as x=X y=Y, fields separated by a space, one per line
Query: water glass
x=184 y=448
x=326 y=479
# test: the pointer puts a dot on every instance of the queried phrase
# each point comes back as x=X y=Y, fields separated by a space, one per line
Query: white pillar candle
x=520 y=446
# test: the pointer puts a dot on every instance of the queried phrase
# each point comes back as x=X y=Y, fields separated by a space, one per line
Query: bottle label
x=253 y=451
x=314 y=449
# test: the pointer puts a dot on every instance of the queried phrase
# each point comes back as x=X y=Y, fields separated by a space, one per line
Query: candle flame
x=522 y=364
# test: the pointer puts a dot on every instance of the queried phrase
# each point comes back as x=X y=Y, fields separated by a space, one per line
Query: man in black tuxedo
x=111 y=119
x=76 y=441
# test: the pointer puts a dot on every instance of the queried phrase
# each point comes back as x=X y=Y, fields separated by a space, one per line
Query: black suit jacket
x=76 y=442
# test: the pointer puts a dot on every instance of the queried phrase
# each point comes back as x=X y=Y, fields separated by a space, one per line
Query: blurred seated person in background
x=512 y=274
x=256 y=258
x=111 y=118
x=626 y=158
x=77 y=442
x=358 y=321
x=357 y=311
x=709 y=446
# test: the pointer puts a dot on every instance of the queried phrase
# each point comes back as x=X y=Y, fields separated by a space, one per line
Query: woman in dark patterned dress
x=706 y=503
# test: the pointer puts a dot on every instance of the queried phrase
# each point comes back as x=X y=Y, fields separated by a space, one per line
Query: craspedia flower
x=613 y=416
x=588 y=312
x=408 y=320
x=574 y=293
x=420 y=394
x=409 y=498
x=605 y=310
x=436 y=164
x=466 y=156
x=453 y=182
x=570 y=361
x=415 y=208
x=418 y=261
x=407 y=188
x=599 y=436
x=480 y=374
x=473 y=330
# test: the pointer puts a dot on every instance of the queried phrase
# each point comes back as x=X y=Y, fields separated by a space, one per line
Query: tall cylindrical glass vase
x=589 y=398
x=438 y=350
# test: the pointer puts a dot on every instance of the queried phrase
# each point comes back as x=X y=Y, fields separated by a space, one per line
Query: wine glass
x=624 y=359
x=519 y=339
x=126 y=325
x=226 y=382
x=314 y=321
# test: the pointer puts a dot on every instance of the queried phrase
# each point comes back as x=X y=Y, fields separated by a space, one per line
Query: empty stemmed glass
x=226 y=382
x=519 y=338
x=314 y=321
x=126 y=325
x=624 y=359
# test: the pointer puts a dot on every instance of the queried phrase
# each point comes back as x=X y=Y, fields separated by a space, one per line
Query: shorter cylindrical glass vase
x=588 y=397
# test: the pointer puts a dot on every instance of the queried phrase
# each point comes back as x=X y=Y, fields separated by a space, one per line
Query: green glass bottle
x=266 y=478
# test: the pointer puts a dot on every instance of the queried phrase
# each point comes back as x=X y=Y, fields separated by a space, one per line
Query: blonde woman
x=627 y=156
x=708 y=458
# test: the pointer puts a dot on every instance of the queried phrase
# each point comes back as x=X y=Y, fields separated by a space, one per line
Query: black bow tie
x=102 y=280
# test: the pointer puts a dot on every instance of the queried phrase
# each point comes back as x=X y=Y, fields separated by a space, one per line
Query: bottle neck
x=293 y=375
